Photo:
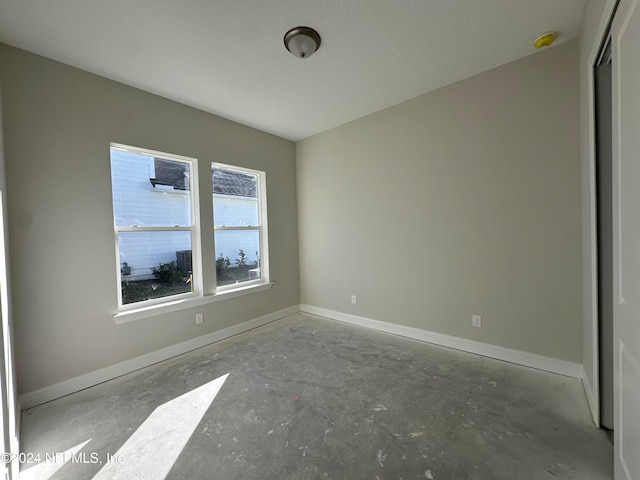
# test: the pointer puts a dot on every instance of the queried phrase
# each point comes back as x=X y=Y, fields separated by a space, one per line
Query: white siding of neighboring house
x=137 y=202
x=144 y=250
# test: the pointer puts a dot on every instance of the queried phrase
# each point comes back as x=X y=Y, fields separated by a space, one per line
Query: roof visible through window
x=230 y=182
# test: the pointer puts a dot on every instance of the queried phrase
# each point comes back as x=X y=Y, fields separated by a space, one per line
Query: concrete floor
x=309 y=398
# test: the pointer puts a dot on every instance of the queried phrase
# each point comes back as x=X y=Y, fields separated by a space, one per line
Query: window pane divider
x=155 y=229
x=243 y=227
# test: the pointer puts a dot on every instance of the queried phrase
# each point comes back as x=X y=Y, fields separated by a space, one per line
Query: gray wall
x=58 y=124
x=479 y=183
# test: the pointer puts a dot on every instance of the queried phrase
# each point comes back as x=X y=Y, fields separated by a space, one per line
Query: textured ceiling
x=227 y=56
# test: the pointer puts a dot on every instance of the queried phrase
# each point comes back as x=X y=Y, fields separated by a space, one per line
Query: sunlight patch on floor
x=48 y=468
x=155 y=446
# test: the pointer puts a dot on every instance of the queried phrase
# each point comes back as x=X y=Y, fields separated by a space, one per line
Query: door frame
x=590 y=234
x=9 y=405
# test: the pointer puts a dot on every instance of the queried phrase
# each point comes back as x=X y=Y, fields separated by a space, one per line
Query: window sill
x=184 y=303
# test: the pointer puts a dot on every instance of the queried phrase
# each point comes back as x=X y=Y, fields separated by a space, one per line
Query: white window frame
x=261 y=228
x=194 y=228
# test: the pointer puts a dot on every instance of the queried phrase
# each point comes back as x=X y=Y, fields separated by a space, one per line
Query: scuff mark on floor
x=381 y=457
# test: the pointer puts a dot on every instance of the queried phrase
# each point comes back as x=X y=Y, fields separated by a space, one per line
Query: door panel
x=626 y=231
x=605 y=239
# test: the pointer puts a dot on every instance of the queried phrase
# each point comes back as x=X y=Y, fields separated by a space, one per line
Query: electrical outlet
x=476 y=321
x=354 y=300
x=199 y=318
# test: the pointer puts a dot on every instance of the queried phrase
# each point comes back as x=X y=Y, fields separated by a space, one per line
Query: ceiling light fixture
x=302 y=42
x=545 y=40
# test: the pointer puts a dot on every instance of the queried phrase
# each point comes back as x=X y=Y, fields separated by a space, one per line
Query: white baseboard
x=594 y=404
x=562 y=367
x=81 y=382
x=519 y=357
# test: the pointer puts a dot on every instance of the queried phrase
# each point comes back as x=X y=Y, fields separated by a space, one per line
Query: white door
x=626 y=240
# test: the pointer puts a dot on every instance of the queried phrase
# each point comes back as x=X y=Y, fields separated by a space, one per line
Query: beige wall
x=58 y=124
x=462 y=201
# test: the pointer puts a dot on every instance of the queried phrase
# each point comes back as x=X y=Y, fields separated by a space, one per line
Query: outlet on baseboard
x=354 y=299
x=199 y=318
x=476 y=321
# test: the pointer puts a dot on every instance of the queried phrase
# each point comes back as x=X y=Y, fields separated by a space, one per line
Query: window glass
x=239 y=225
x=140 y=201
x=235 y=198
x=154 y=223
x=237 y=256
x=154 y=264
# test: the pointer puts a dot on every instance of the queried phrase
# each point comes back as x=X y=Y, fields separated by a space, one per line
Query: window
x=240 y=226
x=154 y=211
x=157 y=233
